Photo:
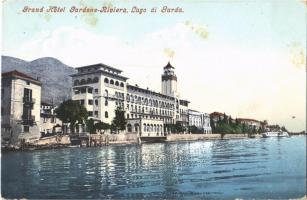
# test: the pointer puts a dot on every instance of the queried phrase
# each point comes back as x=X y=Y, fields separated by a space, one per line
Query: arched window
x=76 y=82
x=148 y=128
x=129 y=128
x=144 y=127
x=111 y=82
x=116 y=83
x=82 y=82
x=96 y=80
x=151 y=127
x=136 y=127
x=106 y=80
x=121 y=84
x=89 y=80
x=106 y=114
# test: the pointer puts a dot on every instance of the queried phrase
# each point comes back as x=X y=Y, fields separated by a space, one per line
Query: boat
x=275 y=134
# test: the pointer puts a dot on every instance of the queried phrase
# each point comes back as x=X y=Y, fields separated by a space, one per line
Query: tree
x=90 y=126
x=193 y=129
x=71 y=112
x=284 y=129
x=230 y=120
x=119 y=122
x=224 y=118
x=179 y=128
x=102 y=126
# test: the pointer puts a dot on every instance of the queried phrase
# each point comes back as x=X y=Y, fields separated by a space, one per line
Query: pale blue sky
x=253 y=53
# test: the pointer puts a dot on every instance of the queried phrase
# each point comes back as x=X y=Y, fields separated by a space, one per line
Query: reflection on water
x=223 y=169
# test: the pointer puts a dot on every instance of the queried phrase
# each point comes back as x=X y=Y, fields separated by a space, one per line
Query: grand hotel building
x=101 y=88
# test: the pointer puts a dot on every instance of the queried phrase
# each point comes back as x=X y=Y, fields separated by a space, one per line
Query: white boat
x=275 y=134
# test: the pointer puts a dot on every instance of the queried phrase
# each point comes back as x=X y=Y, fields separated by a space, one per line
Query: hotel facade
x=101 y=89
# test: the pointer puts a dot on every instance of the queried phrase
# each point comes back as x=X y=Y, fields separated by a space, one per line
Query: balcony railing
x=28 y=100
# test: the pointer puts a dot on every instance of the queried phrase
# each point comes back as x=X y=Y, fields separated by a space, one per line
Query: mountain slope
x=54 y=75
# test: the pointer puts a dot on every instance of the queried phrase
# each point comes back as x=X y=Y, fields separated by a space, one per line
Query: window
x=27 y=94
x=96 y=102
x=96 y=80
x=129 y=127
x=28 y=82
x=90 y=113
x=83 y=90
x=106 y=80
x=106 y=114
x=83 y=82
x=90 y=90
x=106 y=103
x=96 y=91
x=96 y=113
x=76 y=82
x=106 y=93
x=90 y=102
x=127 y=116
x=26 y=129
x=82 y=101
x=121 y=84
x=111 y=82
x=116 y=83
x=89 y=80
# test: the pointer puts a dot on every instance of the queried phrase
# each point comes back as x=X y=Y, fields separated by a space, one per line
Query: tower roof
x=169 y=66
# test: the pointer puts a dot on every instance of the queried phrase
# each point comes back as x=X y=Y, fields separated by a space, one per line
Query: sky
x=244 y=58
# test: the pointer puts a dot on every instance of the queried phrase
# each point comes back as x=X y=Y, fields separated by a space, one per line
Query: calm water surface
x=224 y=169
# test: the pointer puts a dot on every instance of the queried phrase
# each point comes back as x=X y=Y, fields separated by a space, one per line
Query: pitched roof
x=169 y=66
x=18 y=74
x=246 y=119
x=216 y=114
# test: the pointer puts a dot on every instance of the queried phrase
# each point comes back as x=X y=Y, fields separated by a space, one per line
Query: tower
x=169 y=81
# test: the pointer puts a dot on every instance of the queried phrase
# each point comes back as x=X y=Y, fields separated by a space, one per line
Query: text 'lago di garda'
x=103 y=9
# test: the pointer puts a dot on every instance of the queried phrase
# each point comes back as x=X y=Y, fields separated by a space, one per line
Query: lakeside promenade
x=98 y=140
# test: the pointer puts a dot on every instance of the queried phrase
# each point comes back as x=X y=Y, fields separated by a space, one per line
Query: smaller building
x=200 y=120
x=20 y=108
x=217 y=116
x=251 y=123
x=50 y=125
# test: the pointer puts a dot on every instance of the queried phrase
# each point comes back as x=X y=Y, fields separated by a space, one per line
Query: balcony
x=28 y=120
x=28 y=100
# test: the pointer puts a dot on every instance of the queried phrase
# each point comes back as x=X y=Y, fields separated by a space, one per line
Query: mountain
x=54 y=75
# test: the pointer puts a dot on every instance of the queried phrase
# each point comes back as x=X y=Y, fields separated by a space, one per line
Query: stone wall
x=178 y=137
x=114 y=138
x=53 y=140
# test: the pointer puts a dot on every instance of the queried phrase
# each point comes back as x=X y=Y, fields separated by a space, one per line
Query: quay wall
x=183 y=137
x=127 y=138
x=53 y=140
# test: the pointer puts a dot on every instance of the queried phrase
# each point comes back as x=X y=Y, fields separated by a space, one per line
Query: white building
x=101 y=88
x=20 y=108
x=49 y=124
x=200 y=120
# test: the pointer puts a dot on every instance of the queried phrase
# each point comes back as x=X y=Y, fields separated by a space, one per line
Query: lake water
x=221 y=169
